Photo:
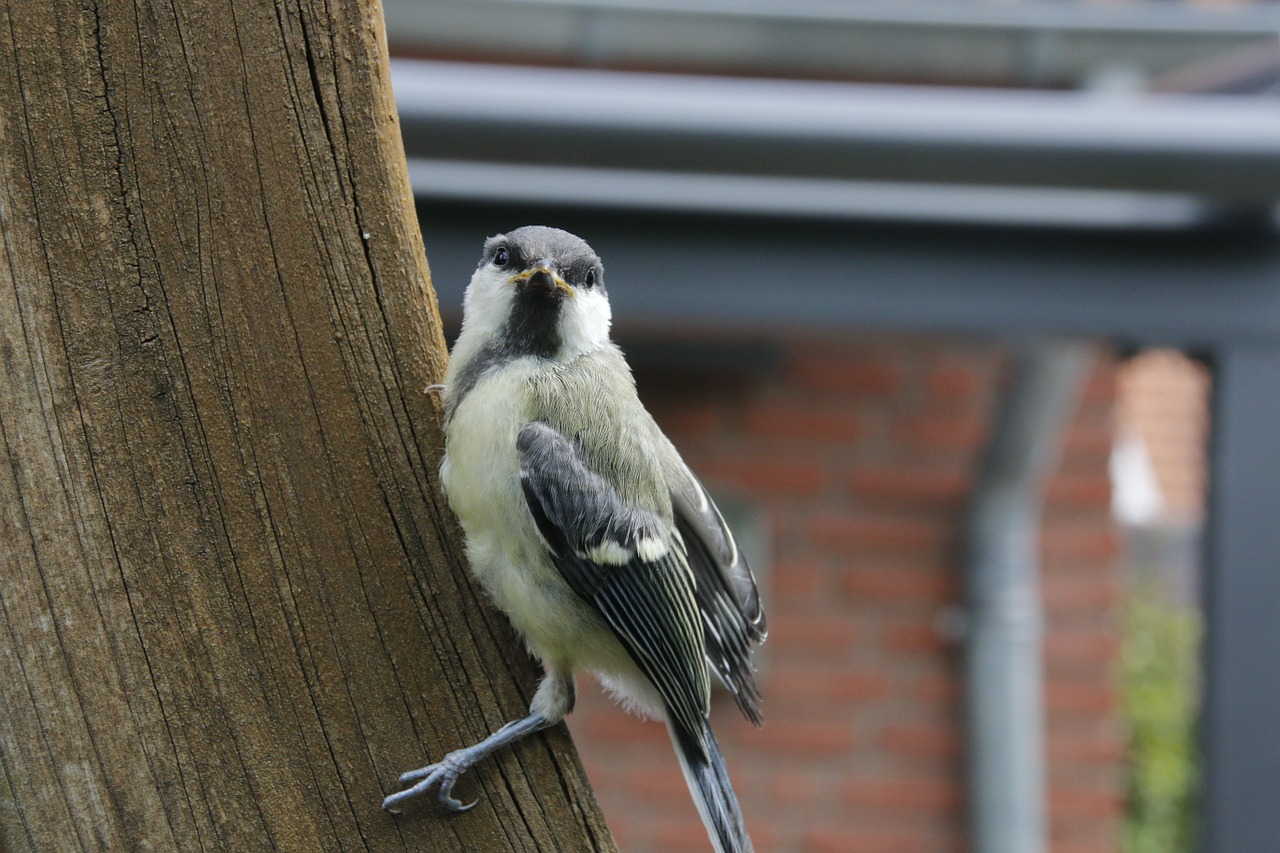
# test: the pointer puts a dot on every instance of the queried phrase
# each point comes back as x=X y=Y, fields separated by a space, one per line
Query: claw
x=445 y=798
x=445 y=773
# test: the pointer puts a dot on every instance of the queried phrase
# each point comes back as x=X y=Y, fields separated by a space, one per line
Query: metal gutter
x=653 y=191
x=1004 y=615
x=621 y=139
x=1035 y=42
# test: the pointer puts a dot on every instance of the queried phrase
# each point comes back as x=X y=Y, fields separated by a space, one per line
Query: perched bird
x=582 y=522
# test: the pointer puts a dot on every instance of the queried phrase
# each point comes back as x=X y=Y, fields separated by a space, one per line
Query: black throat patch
x=533 y=328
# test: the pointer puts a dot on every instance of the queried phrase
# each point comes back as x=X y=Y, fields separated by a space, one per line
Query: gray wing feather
x=727 y=595
x=627 y=562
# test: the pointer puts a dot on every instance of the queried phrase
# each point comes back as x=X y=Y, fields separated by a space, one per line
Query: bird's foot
x=446 y=771
x=443 y=773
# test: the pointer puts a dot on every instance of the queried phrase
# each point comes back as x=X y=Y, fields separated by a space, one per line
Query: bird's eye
x=591 y=278
x=501 y=257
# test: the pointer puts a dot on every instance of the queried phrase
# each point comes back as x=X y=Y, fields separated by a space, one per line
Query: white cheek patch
x=487 y=305
x=584 y=322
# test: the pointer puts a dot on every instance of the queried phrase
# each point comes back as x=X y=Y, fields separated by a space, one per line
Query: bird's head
x=538 y=291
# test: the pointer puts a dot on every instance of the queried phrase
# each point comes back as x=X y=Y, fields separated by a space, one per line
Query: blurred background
x=931 y=295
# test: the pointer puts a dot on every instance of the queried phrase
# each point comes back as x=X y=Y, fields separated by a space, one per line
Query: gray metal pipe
x=1004 y=622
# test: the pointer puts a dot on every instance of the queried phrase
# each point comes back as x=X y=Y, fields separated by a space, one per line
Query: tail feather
x=712 y=794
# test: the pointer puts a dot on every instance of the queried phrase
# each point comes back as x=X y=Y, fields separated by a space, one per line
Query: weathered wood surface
x=232 y=606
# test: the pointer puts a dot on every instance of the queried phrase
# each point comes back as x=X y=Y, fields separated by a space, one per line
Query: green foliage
x=1160 y=685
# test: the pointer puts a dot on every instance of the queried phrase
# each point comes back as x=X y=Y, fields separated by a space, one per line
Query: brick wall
x=860 y=457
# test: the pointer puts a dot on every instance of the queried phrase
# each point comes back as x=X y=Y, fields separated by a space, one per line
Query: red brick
x=678 y=835
x=763 y=478
x=783 y=711
x=953 y=380
x=1075 y=646
x=796 y=421
x=763 y=836
x=690 y=419
x=1087 y=445
x=1080 y=490
x=910 y=585
x=1098 y=846
x=1081 y=802
x=795 y=578
x=1091 y=542
x=652 y=783
x=1061 y=562
x=841 y=374
x=1100 y=385
x=1105 y=748
x=843 y=687
x=938 y=432
x=795 y=787
x=1065 y=591
x=900 y=484
x=892 y=535
x=800 y=741
x=925 y=740
x=615 y=726
x=917 y=639
x=933 y=795
x=941 y=689
x=1102 y=670
x=1087 y=699
x=812 y=632
x=1095 y=414
x=851 y=836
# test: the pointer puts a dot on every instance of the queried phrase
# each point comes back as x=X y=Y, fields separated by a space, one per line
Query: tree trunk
x=233 y=606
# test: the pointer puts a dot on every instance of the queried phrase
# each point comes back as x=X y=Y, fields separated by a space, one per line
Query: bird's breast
x=481 y=475
x=481 y=468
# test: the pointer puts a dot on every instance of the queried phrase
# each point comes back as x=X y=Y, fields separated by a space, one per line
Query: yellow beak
x=549 y=275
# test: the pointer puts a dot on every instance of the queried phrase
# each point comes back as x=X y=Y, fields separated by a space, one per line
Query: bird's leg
x=553 y=700
x=446 y=771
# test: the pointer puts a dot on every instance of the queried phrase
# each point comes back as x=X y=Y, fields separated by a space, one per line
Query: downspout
x=1003 y=620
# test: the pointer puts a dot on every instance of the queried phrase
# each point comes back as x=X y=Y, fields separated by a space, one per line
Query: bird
x=583 y=523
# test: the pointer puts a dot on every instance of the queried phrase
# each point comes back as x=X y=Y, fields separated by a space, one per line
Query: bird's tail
x=709 y=783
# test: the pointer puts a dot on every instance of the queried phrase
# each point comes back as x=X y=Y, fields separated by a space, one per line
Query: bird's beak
x=543 y=277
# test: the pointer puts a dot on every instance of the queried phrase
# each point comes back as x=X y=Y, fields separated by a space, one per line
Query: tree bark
x=233 y=605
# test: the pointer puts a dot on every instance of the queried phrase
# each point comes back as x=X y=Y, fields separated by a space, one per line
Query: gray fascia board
x=737 y=195
x=990 y=43
x=755 y=275
x=1224 y=150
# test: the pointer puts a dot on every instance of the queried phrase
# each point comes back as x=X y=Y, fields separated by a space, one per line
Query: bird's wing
x=627 y=562
x=727 y=596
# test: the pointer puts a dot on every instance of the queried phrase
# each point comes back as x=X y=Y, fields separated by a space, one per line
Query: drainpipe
x=1003 y=620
